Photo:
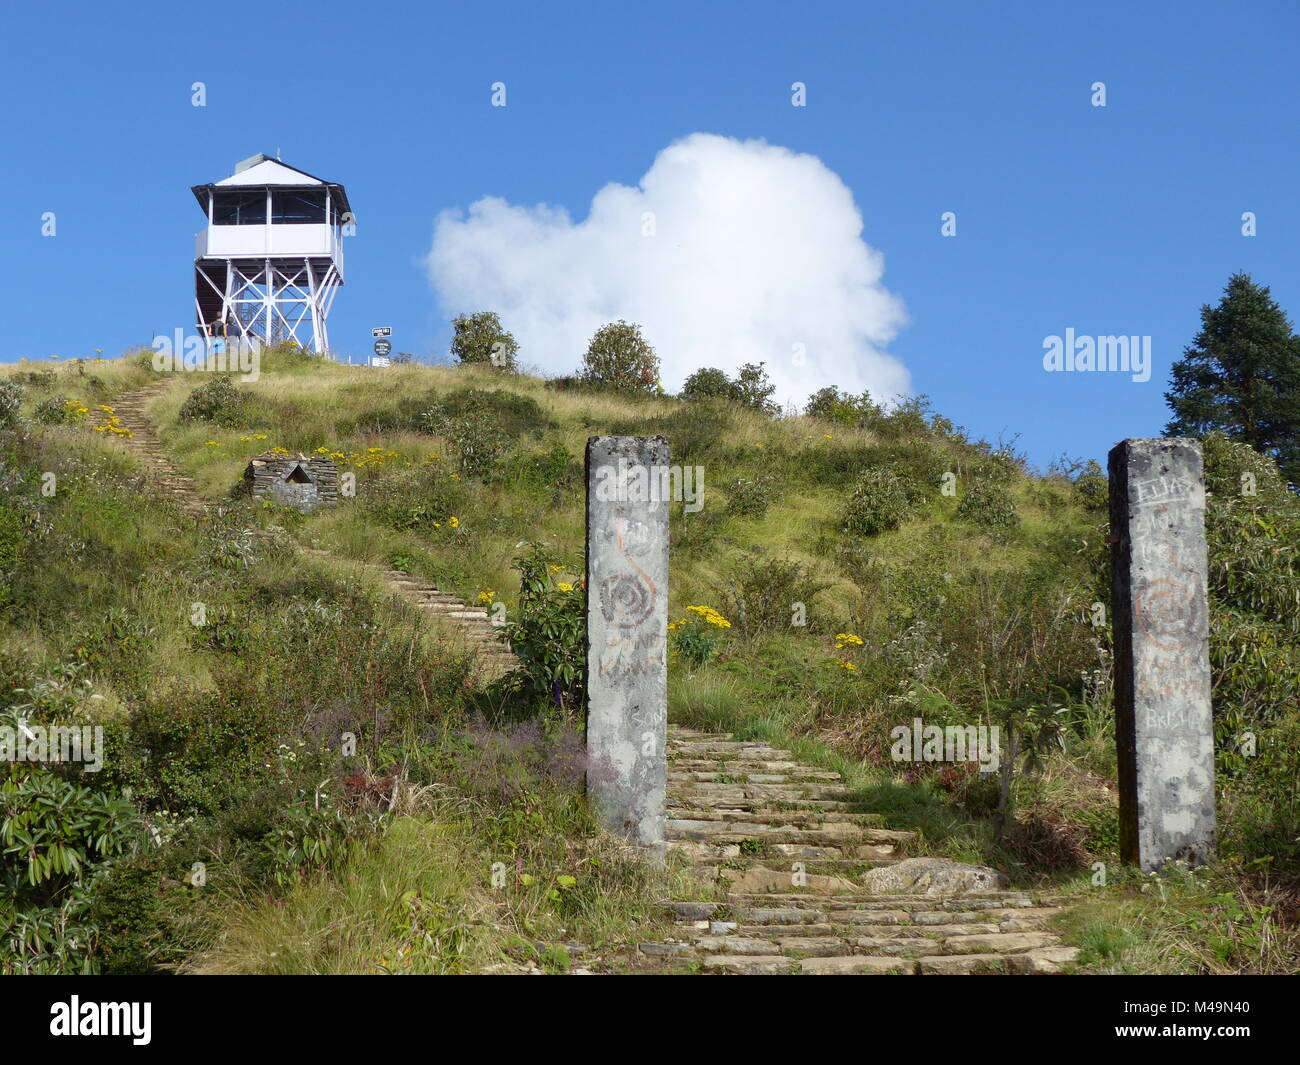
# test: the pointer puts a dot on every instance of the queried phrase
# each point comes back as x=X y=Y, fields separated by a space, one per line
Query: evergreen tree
x=1241 y=375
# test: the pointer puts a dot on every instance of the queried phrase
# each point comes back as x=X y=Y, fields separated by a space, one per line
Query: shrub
x=880 y=502
x=918 y=467
x=549 y=636
x=474 y=435
x=218 y=401
x=11 y=402
x=988 y=505
x=695 y=638
x=750 y=497
x=707 y=383
x=753 y=389
x=763 y=594
x=58 y=410
x=55 y=836
x=479 y=338
x=412 y=499
x=1092 y=486
x=829 y=404
x=619 y=357
x=13 y=544
x=513 y=413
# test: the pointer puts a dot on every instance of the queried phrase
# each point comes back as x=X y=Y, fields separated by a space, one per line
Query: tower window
x=239 y=207
x=298 y=207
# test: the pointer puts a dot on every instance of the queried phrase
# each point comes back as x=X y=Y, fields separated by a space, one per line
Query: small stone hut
x=294 y=480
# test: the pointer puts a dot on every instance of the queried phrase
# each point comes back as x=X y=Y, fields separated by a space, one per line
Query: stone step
x=778 y=965
x=788 y=817
x=701 y=851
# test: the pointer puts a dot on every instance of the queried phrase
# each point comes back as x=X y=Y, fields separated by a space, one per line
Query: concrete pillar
x=627 y=634
x=1161 y=625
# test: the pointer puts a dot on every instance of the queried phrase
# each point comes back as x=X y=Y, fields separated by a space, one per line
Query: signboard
x=382 y=331
x=383 y=347
x=379 y=361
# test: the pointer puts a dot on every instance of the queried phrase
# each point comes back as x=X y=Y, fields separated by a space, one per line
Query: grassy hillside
x=871 y=567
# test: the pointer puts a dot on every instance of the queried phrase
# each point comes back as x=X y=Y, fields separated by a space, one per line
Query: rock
x=856 y=965
x=771 y=965
x=1002 y=943
x=943 y=965
x=932 y=876
x=1042 y=960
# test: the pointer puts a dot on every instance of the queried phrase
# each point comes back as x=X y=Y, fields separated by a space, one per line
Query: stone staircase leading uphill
x=130 y=410
x=780 y=840
x=469 y=625
x=466 y=624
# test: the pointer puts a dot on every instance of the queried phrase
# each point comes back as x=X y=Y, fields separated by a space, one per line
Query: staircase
x=465 y=624
x=143 y=441
x=786 y=852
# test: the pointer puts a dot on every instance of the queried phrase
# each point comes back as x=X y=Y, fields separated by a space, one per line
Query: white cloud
x=755 y=249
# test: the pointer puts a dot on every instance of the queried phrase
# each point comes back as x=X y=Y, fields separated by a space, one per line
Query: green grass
x=959 y=623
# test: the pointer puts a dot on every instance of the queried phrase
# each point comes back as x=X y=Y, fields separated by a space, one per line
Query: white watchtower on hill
x=271 y=258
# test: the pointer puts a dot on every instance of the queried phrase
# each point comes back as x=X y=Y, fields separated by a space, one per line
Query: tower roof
x=261 y=171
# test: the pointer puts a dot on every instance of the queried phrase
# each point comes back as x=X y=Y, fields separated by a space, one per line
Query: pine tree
x=1241 y=374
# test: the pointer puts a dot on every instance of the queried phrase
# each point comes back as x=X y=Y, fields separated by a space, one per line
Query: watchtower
x=270 y=260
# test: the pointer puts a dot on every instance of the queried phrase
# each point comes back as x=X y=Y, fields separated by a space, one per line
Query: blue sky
x=1114 y=220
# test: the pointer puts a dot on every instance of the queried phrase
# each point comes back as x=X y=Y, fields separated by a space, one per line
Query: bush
x=707 y=383
x=763 y=594
x=480 y=339
x=515 y=414
x=1092 y=486
x=218 y=402
x=475 y=435
x=988 y=505
x=13 y=544
x=829 y=404
x=11 y=402
x=753 y=389
x=880 y=502
x=750 y=497
x=57 y=410
x=619 y=357
x=413 y=499
x=55 y=836
x=555 y=468
x=550 y=635
x=918 y=467
x=695 y=638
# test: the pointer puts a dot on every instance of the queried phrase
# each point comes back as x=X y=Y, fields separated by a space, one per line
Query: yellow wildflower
x=711 y=616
